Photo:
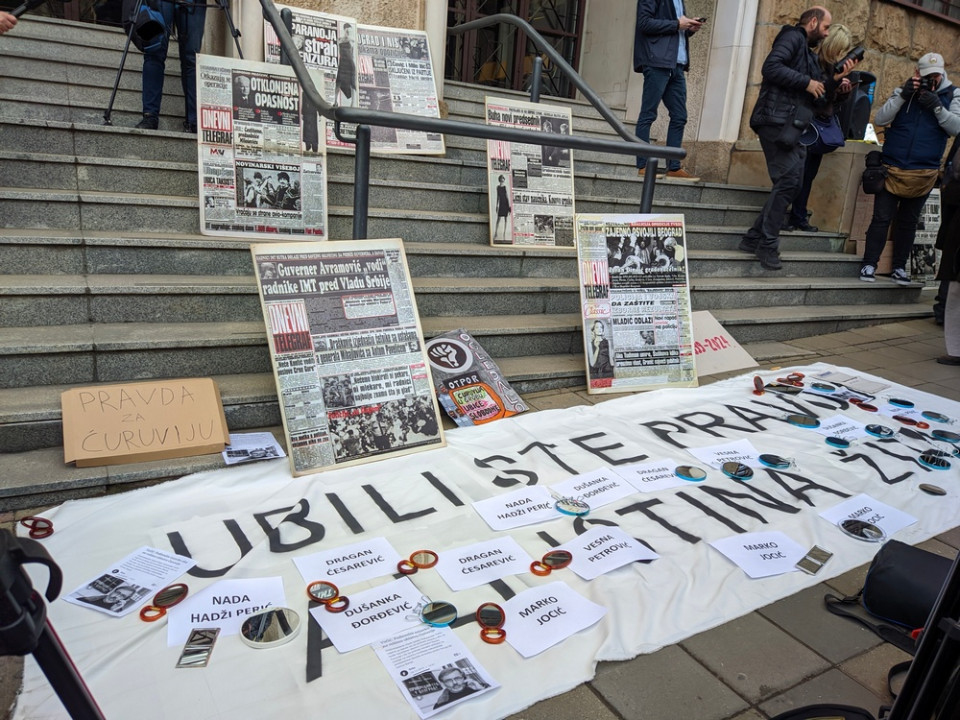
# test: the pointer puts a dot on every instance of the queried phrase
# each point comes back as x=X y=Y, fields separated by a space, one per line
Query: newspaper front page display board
x=347 y=351
x=259 y=177
x=371 y=67
x=635 y=302
x=469 y=384
x=924 y=256
x=530 y=186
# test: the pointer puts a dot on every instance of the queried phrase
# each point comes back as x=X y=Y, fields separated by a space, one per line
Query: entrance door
x=501 y=55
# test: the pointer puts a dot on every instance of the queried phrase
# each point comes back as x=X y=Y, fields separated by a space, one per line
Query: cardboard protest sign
x=138 y=422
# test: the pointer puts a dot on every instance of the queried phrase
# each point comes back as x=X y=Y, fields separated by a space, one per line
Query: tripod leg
x=123 y=61
x=224 y=5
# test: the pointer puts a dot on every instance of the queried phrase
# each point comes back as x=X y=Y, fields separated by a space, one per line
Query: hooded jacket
x=917 y=137
x=786 y=73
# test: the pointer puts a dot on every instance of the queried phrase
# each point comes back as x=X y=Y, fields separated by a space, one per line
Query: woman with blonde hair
x=831 y=50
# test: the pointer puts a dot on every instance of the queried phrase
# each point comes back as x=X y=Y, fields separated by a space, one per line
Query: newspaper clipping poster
x=371 y=67
x=924 y=256
x=258 y=175
x=347 y=351
x=469 y=384
x=530 y=186
x=635 y=299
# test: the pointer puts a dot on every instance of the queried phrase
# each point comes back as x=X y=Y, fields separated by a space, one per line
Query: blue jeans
x=670 y=86
x=904 y=213
x=189 y=21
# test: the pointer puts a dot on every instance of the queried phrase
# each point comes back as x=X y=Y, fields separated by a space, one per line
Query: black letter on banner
x=873 y=464
x=797 y=407
x=580 y=525
x=355 y=527
x=663 y=429
x=712 y=422
x=726 y=497
x=546 y=450
x=180 y=548
x=712 y=513
x=444 y=490
x=800 y=492
x=389 y=511
x=748 y=415
x=548 y=538
x=644 y=507
x=501 y=481
x=316 y=530
x=599 y=451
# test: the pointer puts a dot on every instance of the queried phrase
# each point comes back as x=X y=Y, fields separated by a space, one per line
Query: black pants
x=798 y=213
x=785 y=166
x=904 y=213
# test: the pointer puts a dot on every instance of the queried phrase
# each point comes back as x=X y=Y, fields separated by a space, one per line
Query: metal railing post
x=361 y=183
x=536 y=80
x=649 y=182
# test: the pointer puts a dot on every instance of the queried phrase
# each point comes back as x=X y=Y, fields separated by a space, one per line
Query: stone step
x=45 y=252
x=96 y=212
x=116 y=352
x=39 y=171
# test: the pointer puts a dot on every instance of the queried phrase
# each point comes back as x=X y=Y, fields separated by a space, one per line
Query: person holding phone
x=661 y=51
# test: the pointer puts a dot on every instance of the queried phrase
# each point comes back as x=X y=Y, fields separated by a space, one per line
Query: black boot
x=149 y=122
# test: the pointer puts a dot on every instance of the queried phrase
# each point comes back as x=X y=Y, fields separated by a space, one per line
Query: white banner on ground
x=250 y=521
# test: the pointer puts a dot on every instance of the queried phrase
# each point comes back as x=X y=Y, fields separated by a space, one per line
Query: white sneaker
x=900 y=277
x=867 y=273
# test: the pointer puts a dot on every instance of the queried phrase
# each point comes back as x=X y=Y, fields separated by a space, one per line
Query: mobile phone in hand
x=701 y=19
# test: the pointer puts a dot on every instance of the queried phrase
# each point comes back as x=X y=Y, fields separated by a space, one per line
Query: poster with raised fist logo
x=468 y=382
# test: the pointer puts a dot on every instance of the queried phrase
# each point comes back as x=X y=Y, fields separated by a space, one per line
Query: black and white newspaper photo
x=259 y=177
x=130 y=582
x=347 y=351
x=530 y=186
x=635 y=295
x=433 y=669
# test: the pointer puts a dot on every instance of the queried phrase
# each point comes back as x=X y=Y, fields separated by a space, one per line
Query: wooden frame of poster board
x=544 y=166
x=635 y=302
x=342 y=403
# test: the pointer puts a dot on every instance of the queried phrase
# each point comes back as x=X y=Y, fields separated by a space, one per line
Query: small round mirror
x=170 y=595
x=490 y=615
x=946 y=436
x=322 y=591
x=861 y=530
x=553 y=560
x=838 y=442
x=572 y=506
x=932 y=489
x=737 y=471
x=935 y=416
x=424 y=559
x=438 y=614
x=804 y=421
x=691 y=473
x=934 y=462
x=270 y=628
x=880 y=431
x=823 y=387
x=774 y=461
x=757 y=385
x=900 y=402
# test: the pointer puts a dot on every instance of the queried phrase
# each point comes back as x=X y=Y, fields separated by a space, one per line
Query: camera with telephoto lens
x=855 y=54
x=927 y=83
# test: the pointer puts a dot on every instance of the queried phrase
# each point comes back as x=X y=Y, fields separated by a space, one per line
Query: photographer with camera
x=188 y=17
x=920 y=116
x=793 y=83
x=834 y=54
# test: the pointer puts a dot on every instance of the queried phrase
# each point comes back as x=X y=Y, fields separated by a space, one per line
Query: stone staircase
x=104 y=276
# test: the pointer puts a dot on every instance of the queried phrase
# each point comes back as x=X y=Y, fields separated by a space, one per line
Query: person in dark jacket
x=793 y=83
x=921 y=116
x=661 y=51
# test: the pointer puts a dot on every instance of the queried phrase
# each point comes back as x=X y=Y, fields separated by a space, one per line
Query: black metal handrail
x=630 y=145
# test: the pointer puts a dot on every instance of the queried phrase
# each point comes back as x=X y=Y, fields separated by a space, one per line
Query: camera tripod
x=221 y=4
x=24 y=627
